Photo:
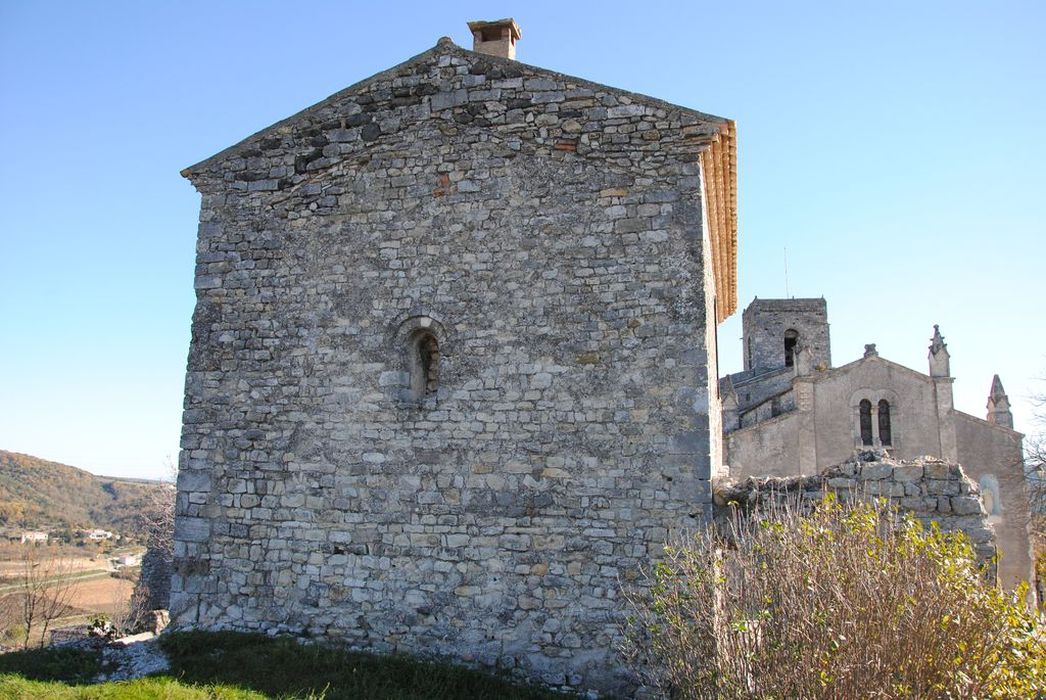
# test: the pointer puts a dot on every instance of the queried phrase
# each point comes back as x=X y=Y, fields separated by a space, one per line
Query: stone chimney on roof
x=497 y=38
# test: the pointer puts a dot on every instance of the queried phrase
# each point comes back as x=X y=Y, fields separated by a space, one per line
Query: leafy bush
x=849 y=601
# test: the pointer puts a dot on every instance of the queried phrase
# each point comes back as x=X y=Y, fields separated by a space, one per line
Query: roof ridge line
x=225 y=152
x=446 y=45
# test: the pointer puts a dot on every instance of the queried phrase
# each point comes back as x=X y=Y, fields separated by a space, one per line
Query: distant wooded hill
x=37 y=494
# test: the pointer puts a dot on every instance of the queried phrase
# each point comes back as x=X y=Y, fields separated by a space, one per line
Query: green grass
x=238 y=666
x=164 y=688
x=68 y=665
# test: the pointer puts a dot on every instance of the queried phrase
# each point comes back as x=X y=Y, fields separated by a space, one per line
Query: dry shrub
x=12 y=628
x=46 y=587
x=850 y=601
x=153 y=587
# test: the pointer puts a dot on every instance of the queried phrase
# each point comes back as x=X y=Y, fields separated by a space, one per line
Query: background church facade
x=791 y=412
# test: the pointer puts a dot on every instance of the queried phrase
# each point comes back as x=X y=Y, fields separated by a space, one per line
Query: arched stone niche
x=990 y=495
x=420 y=341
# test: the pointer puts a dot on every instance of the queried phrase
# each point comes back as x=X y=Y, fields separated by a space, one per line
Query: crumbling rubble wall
x=931 y=489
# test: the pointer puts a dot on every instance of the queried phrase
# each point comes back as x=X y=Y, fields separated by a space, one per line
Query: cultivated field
x=94 y=590
x=102 y=595
x=11 y=569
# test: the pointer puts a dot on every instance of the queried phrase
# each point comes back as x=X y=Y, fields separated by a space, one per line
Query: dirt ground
x=11 y=571
x=107 y=595
x=98 y=592
x=104 y=594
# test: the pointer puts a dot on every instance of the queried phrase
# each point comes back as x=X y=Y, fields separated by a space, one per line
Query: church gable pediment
x=874 y=369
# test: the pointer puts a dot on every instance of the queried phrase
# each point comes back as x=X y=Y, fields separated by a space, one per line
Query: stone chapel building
x=453 y=368
x=791 y=412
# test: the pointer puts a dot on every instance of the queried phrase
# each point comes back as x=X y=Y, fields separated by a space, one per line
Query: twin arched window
x=864 y=412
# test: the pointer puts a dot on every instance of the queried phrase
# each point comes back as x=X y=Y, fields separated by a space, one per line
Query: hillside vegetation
x=38 y=494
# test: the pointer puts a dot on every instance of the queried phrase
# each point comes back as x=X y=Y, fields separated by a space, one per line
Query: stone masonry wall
x=548 y=234
x=929 y=488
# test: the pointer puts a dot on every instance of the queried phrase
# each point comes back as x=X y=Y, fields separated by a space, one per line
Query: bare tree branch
x=156 y=522
x=47 y=585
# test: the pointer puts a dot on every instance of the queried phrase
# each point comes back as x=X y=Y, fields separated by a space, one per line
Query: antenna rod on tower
x=786 y=272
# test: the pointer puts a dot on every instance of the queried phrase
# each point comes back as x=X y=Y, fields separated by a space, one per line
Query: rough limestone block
x=966 y=505
x=875 y=471
x=192 y=529
x=909 y=472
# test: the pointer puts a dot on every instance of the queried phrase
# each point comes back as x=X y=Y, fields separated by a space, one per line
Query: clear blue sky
x=896 y=149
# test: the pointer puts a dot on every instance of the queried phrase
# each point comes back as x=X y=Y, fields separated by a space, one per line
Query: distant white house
x=128 y=560
x=97 y=535
x=34 y=536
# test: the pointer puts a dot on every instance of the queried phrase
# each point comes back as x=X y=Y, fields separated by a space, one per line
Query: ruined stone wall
x=548 y=234
x=770 y=448
x=995 y=452
x=930 y=489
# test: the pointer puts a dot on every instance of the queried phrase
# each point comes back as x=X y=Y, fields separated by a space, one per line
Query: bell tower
x=775 y=331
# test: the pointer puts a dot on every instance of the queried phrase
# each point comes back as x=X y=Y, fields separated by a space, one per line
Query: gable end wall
x=553 y=233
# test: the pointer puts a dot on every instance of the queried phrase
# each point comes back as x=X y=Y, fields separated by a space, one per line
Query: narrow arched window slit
x=423 y=354
x=791 y=339
x=885 y=432
x=865 y=411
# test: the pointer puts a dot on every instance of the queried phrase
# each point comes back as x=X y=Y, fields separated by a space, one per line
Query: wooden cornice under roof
x=719 y=164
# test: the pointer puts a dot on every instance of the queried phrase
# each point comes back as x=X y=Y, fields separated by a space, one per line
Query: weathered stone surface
x=189 y=529
x=966 y=505
x=450 y=380
x=910 y=472
x=869 y=472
